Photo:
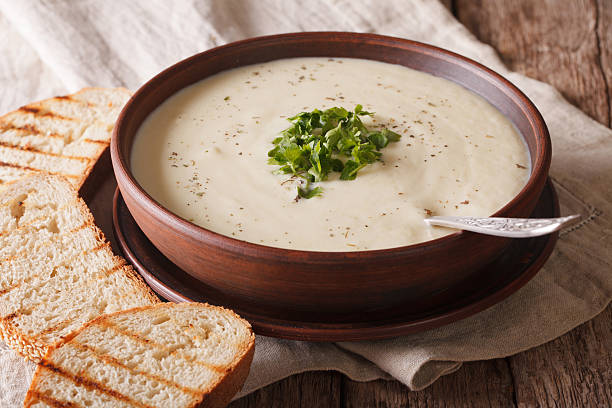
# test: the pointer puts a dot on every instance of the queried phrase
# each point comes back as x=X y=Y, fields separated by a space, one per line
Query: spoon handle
x=506 y=227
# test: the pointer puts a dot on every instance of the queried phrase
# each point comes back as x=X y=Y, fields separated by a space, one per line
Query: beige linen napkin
x=58 y=47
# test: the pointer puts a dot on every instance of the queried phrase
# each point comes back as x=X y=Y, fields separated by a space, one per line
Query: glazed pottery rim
x=539 y=168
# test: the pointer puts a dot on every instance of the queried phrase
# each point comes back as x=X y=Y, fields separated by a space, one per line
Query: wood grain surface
x=567 y=43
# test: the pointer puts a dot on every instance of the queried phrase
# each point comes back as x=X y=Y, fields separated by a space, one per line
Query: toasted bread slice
x=179 y=355
x=64 y=135
x=57 y=271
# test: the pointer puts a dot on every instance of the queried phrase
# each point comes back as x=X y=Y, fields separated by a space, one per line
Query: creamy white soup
x=203 y=155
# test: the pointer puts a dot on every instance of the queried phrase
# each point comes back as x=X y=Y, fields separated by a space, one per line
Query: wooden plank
x=568 y=45
x=574 y=370
x=476 y=384
x=604 y=38
x=550 y=40
x=308 y=390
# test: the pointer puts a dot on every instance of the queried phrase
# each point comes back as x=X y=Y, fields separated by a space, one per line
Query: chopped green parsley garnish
x=321 y=142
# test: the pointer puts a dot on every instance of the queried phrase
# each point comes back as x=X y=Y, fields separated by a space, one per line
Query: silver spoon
x=506 y=227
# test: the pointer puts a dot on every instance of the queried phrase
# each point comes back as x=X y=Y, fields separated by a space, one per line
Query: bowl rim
x=200 y=234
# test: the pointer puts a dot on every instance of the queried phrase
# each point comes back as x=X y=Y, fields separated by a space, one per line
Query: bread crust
x=33 y=348
x=39 y=109
x=26 y=346
x=221 y=391
x=232 y=382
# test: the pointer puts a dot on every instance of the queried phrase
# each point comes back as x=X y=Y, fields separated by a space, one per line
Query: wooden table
x=569 y=45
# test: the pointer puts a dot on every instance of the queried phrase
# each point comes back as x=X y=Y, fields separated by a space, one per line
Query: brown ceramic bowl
x=291 y=281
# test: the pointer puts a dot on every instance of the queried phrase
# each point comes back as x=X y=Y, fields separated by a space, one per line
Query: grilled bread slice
x=64 y=135
x=167 y=355
x=57 y=271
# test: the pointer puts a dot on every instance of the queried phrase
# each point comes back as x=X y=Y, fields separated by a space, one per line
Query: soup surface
x=203 y=155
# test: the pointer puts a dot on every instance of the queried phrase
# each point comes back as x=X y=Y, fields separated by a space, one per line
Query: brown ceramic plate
x=490 y=285
x=335 y=283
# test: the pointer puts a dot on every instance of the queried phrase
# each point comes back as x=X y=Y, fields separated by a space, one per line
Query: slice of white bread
x=167 y=355
x=57 y=271
x=64 y=135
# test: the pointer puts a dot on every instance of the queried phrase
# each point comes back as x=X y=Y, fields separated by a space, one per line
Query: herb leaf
x=315 y=143
x=350 y=170
x=391 y=135
x=304 y=193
